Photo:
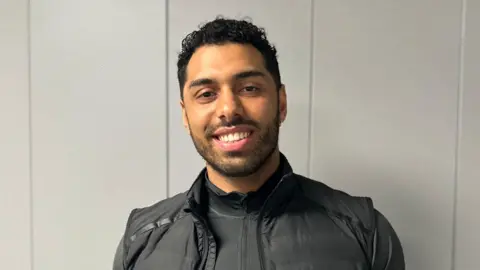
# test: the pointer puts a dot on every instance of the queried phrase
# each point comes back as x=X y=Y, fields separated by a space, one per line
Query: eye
x=206 y=95
x=250 y=88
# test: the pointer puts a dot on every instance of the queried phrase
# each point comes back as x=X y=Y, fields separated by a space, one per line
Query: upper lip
x=230 y=130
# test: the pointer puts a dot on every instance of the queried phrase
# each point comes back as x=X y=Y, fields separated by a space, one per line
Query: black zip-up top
x=233 y=219
x=297 y=224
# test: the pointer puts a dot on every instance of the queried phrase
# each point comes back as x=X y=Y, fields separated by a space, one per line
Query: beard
x=240 y=164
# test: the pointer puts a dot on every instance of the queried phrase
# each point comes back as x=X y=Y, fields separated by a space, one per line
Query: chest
x=311 y=242
x=292 y=241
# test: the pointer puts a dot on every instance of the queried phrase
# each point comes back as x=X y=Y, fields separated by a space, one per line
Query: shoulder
x=140 y=222
x=373 y=230
x=148 y=217
x=338 y=202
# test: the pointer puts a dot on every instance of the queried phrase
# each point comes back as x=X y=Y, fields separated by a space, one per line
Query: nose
x=229 y=105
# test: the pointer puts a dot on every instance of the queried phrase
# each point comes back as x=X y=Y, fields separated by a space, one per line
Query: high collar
x=197 y=196
x=237 y=203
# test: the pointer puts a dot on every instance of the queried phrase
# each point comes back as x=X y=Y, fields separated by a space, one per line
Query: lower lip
x=233 y=146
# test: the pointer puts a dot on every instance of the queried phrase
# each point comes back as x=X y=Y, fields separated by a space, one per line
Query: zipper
x=243 y=244
x=261 y=253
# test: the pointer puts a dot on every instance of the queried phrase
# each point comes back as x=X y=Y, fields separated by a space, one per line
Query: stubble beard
x=237 y=164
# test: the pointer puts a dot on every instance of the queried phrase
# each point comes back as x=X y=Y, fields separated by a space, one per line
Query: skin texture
x=228 y=86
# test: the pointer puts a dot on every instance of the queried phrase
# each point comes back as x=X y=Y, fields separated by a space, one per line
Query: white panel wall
x=467 y=238
x=106 y=131
x=385 y=112
x=294 y=57
x=14 y=136
x=99 y=126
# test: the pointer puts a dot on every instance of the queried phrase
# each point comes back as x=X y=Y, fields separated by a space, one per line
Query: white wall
x=467 y=236
x=383 y=101
x=15 y=197
x=98 y=124
x=385 y=113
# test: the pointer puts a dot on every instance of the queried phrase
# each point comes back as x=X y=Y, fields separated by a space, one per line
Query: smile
x=233 y=137
x=233 y=141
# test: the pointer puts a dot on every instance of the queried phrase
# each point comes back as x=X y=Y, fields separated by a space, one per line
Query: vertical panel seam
x=458 y=134
x=30 y=136
x=167 y=103
x=310 y=94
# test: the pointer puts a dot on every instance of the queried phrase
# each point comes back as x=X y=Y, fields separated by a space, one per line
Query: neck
x=249 y=183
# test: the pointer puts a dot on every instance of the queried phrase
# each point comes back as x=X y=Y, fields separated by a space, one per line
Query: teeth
x=233 y=137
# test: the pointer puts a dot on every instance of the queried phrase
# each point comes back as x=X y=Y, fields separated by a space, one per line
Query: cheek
x=263 y=110
x=196 y=127
x=197 y=123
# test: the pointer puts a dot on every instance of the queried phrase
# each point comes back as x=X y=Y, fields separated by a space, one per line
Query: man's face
x=232 y=108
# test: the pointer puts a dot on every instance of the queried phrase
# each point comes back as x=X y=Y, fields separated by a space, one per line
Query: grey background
x=383 y=101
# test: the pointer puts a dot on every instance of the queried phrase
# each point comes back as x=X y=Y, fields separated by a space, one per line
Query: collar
x=197 y=195
x=238 y=203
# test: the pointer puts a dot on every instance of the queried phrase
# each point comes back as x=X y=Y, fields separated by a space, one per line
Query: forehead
x=222 y=61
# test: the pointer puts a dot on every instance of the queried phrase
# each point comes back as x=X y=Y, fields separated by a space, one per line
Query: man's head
x=232 y=97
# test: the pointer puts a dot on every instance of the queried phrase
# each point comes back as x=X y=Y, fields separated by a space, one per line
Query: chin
x=237 y=155
x=233 y=161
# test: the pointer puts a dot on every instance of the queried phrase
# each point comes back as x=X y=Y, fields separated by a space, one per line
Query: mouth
x=233 y=137
x=233 y=141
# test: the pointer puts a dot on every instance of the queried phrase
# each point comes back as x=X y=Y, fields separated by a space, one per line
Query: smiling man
x=247 y=209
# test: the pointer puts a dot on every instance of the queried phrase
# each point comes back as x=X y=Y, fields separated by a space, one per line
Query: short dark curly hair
x=221 y=31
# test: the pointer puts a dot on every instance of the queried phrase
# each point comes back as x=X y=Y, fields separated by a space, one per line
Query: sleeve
x=387 y=250
x=118 y=259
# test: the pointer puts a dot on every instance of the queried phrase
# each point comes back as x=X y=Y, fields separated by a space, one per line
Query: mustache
x=234 y=122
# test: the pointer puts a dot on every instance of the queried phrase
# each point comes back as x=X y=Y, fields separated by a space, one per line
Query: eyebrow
x=248 y=74
x=238 y=76
x=200 y=82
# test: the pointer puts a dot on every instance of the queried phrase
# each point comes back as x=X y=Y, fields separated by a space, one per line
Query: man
x=247 y=209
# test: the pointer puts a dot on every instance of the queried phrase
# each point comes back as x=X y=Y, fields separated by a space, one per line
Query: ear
x=282 y=95
x=184 y=117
